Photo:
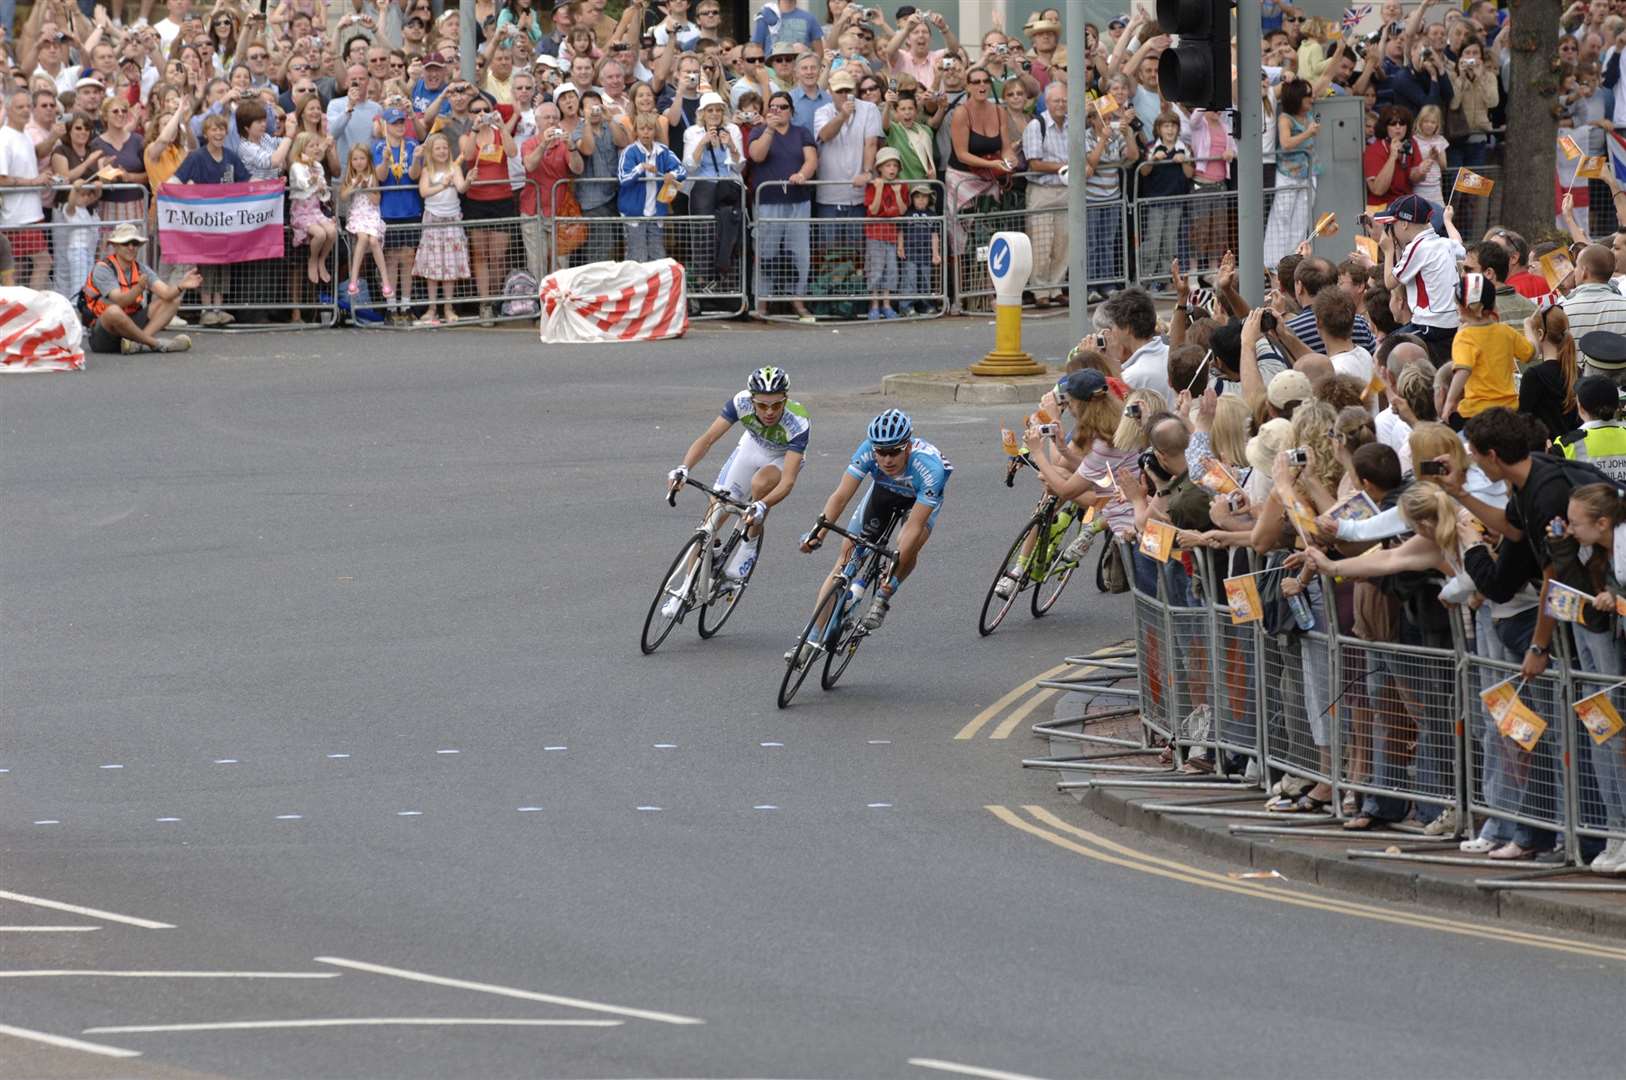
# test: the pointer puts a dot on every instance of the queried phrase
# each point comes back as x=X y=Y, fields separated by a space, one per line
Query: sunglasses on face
x=979 y=82
x=750 y=59
x=778 y=108
x=478 y=112
x=890 y=451
x=781 y=59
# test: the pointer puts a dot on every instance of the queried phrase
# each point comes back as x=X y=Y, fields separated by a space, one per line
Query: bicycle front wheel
x=843 y=640
x=799 y=665
x=1047 y=585
x=678 y=584
x=994 y=606
x=715 y=613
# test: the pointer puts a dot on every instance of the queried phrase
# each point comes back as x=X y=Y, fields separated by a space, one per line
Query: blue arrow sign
x=999 y=258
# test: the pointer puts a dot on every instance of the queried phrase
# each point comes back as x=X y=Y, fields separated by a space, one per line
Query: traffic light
x=1196 y=71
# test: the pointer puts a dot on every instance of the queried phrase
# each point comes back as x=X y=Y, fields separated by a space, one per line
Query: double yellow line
x=1010 y=723
x=1048 y=827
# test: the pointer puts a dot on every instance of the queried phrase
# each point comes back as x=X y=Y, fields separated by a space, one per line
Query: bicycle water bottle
x=1302 y=615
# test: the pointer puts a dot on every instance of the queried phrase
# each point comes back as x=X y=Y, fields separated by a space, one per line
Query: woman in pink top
x=910 y=49
x=1213 y=221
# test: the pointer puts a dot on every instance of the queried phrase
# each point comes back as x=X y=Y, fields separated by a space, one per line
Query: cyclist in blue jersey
x=909 y=477
x=764 y=465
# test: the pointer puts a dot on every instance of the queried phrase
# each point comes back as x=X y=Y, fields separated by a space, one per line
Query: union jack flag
x=1354 y=15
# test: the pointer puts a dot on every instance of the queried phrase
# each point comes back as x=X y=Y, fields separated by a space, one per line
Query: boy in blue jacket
x=645 y=167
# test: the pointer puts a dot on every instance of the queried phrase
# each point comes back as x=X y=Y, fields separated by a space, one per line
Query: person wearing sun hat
x=124 y=302
x=714 y=156
x=1043 y=36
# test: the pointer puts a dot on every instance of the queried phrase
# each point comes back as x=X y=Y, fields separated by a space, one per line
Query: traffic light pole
x=1078 y=117
x=1250 y=164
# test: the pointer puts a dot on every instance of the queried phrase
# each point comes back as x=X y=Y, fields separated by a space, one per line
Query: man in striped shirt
x=1044 y=143
x=1595 y=305
x=1310 y=276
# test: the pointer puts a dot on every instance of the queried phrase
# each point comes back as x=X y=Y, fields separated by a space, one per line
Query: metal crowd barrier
x=1385 y=721
x=502 y=285
x=56 y=255
x=970 y=231
x=707 y=232
x=827 y=262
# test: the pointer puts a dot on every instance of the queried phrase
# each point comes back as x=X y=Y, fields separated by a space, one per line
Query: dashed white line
x=556 y=748
x=771 y=744
x=166 y=820
x=968 y=1070
x=409 y=813
x=364 y=1021
x=49 y=821
x=336 y=757
x=226 y=761
x=650 y=809
x=666 y=746
x=879 y=805
x=529 y=809
x=88 y=912
x=66 y=1043
x=46 y=929
x=765 y=806
x=508 y=991
x=110 y=766
x=290 y=817
x=880 y=742
x=448 y=751
x=94 y=973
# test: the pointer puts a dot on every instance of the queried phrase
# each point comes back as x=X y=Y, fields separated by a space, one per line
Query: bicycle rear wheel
x=679 y=581
x=1047 y=586
x=995 y=607
x=714 y=614
x=844 y=640
x=796 y=670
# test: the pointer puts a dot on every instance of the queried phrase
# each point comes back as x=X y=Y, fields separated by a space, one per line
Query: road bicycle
x=1055 y=524
x=837 y=627
x=698 y=582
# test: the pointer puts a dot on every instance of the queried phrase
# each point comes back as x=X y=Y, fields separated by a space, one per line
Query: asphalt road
x=322 y=652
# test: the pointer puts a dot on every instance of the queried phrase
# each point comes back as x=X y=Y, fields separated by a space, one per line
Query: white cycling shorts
x=748 y=457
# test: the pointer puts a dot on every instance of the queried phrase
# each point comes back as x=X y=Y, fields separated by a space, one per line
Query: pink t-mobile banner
x=220 y=223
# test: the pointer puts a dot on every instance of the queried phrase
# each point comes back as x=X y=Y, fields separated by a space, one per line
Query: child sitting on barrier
x=308 y=193
x=884 y=199
x=363 y=223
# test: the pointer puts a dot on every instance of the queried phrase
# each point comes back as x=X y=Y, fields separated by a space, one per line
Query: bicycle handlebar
x=720 y=496
x=830 y=526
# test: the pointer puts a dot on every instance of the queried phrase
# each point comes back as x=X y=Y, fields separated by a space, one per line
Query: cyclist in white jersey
x=764 y=465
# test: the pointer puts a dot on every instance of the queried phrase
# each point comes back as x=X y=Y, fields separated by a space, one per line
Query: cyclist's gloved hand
x=812 y=540
x=757 y=511
x=678 y=475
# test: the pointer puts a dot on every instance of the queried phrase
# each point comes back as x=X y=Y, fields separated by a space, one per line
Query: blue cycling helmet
x=890 y=428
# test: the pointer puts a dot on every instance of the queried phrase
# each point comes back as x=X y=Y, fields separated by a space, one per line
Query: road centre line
x=508 y=991
x=93 y=913
x=66 y=1043
x=968 y=1070
x=979 y=721
x=1008 y=725
x=365 y=1021
x=93 y=973
x=1176 y=871
x=46 y=929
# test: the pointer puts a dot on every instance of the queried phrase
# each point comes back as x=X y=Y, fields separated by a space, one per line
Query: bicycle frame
x=863 y=550
x=722 y=504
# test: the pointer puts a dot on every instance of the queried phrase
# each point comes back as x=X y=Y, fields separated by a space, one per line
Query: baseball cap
x=1272 y=439
x=1598 y=394
x=394 y=116
x=920 y=189
x=89 y=80
x=435 y=59
x=1082 y=385
x=1412 y=209
x=565 y=88
x=1287 y=388
x=843 y=80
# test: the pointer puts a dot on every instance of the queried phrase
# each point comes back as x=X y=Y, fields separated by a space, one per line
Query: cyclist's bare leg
x=830 y=582
x=766 y=479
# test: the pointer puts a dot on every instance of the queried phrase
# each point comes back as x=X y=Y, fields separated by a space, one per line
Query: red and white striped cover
x=39 y=331
x=615 y=301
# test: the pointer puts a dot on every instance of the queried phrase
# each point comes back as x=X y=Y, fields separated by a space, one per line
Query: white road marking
x=879 y=805
x=289 y=817
x=666 y=746
x=226 y=761
x=409 y=813
x=110 y=766
x=335 y=757
x=650 y=808
x=89 y=913
x=66 y=1043
x=167 y=819
x=968 y=1070
x=509 y=991
x=45 y=929
x=765 y=806
x=94 y=973
x=880 y=742
x=365 y=1021
x=555 y=748
x=529 y=809
x=448 y=751
x=771 y=744
x=49 y=821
